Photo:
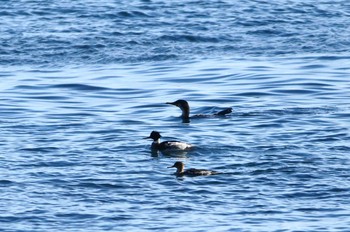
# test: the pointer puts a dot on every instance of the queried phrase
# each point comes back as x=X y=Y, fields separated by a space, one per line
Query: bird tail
x=224 y=112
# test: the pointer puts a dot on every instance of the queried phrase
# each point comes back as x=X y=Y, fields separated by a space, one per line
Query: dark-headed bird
x=167 y=145
x=185 y=108
x=180 y=170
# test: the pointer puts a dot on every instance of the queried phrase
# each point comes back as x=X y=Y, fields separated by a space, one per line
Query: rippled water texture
x=73 y=157
x=66 y=32
x=83 y=82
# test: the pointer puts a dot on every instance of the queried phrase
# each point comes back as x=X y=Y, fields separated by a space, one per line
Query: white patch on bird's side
x=178 y=146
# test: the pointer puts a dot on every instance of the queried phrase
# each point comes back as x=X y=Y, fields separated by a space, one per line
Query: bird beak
x=146 y=138
x=171 y=166
x=170 y=103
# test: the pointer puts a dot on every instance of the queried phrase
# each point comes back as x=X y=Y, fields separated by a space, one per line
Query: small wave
x=266 y=32
x=62 y=86
x=292 y=111
x=189 y=38
x=100 y=185
x=131 y=14
x=296 y=91
x=4 y=183
x=76 y=216
x=340 y=148
x=50 y=164
x=255 y=94
x=46 y=97
x=40 y=149
x=313 y=66
x=79 y=87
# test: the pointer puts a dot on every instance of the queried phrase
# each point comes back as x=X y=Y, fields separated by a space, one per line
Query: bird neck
x=185 y=113
x=155 y=143
x=180 y=170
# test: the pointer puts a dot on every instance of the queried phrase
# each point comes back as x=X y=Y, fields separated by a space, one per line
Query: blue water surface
x=124 y=31
x=83 y=82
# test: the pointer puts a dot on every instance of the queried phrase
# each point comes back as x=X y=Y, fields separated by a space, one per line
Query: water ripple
x=57 y=34
x=72 y=151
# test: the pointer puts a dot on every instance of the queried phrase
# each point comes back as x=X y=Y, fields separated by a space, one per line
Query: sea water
x=83 y=82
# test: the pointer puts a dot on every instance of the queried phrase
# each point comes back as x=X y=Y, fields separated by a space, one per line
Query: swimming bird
x=180 y=170
x=185 y=108
x=167 y=145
